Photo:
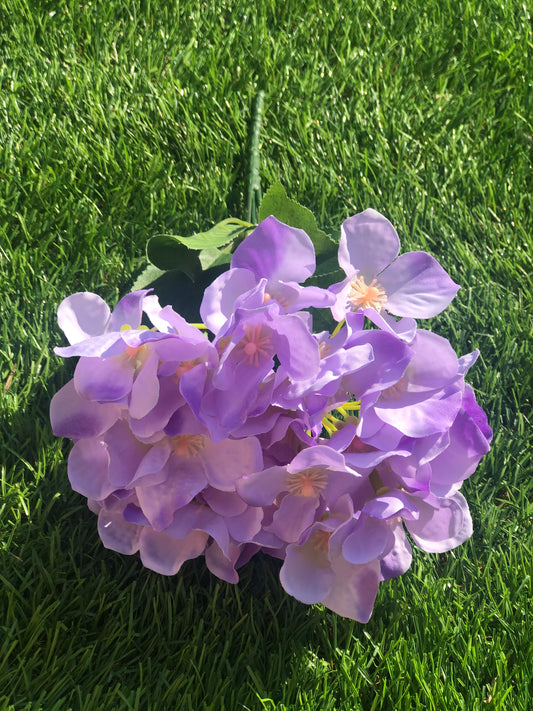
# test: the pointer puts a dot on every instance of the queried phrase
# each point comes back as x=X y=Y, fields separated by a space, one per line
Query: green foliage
x=173 y=252
x=121 y=120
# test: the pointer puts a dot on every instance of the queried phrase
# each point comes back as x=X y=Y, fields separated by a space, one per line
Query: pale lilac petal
x=125 y=454
x=219 y=298
x=261 y=488
x=426 y=417
x=73 y=416
x=434 y=363
x=276 y=251
x=128 y=311
x=306 y=574
x=221 y=565
x=354 y=591
x=116 y=533
x=368 y=540
x=201 y=518
x=443 y=526
x=227 y=461
x=405 y=328
x=224 y=503
x=391 y=358
x=107 y=344
x=168 y=321
x=295 y=514
x=246 y=525
x=82 y=316
x=157 y=419
x=369 y=460
x=296 y=347
x=104 y=379
x=396 y=503
x=341 y=291
x=185 y=479
x=145 y=389
x=398 y=559
x=88 y=464
x=368 y=244
x=477 y=413
x=467 y=361
x=164 y=554
x=417 y=286
x=154 y=460
x=460 y=459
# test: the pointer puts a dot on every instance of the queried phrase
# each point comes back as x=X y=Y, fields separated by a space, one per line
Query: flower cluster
x=322 y=449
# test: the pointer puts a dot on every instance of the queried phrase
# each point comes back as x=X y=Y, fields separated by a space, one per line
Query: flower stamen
x=255 y=345
x=308 y=482
x=366 y=296
x=187 y=445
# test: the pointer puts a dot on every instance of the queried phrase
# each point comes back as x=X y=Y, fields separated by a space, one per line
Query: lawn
x=124 y=119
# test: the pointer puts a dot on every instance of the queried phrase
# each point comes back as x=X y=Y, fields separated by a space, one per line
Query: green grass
x=119 y=120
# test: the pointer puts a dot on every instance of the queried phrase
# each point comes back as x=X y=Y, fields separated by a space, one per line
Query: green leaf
x=168 y=252
x=147 y=277
x=213 y=257
x=218 y=236
x=327 y=272
x=275 y=202
x=175 y=252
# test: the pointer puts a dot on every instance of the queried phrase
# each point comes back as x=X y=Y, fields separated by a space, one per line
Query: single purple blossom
x=412 y=284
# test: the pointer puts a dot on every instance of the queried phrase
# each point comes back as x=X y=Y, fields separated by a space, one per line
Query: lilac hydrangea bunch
x=333 y=451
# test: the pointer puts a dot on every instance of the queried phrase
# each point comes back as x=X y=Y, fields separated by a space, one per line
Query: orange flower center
x=187 y=445
x=255 y=345
x=366 y=296
x=308 y=482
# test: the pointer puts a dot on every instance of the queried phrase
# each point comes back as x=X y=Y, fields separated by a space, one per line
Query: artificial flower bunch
x=322 y=449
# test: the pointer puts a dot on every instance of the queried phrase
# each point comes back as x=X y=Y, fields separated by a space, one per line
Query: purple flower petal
x=82 y=316
x=368 y=244
x=145 y=389
x=417 y=286
x=75 y=417
x=218 y=303
x=221 y=565
x=354 y=591
x=426 y=417
x=396 y=503
x=460 y=459
x=261 y=488
x=294 y=515
x=88 y=464
x=442 y=526
x=116 y=533
x=246 y=525
x=306 y=572
x=224 y=503
x=185 y=478
x=104 y=379
x=226 y=461
x=399 y=558
x=276 y=251
x=370 y=537
x=164 y=554
x=128 y=311
x=125 y=454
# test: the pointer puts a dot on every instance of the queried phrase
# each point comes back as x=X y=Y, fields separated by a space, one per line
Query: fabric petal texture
x=269 y=427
